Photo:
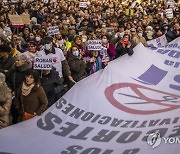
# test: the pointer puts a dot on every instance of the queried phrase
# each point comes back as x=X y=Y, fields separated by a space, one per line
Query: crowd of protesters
x=120 y=25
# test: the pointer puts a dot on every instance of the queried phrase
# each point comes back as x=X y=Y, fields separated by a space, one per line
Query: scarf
x=124 y=42
x=26 y=89
x=3 y=92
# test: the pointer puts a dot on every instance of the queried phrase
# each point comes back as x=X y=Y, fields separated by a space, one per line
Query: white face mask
x=140 y=34
x=84 y=39
x=76 y=53
x=104 y=40
x=38 y=38
x=103 y=26
x=47 y=46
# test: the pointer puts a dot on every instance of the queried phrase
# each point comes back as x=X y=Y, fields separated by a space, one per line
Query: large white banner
x=112 y=111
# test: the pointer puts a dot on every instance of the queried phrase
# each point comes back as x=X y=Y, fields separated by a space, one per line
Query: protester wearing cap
x=5 y=102
x=59 y=61
x=6 y=59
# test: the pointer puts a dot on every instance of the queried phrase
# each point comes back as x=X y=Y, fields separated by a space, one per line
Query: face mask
x=47 y=46
x=148 y=31
x=84 y=40
x=104 y=40
x=140 y=34
x=166 y=27
x=76 y=53
x=38 y=38
x=103 y=26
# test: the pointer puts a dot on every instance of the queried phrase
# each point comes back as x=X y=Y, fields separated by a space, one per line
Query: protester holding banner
x=5 y=102
x=125 y=46
x=31 y=96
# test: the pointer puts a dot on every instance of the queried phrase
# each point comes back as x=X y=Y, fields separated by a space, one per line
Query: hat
x=22 y=57
x=34 y=19
x=2 y=77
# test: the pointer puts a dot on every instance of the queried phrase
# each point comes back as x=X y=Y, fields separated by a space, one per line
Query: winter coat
x=35 y=102
x=5 y=110
x=51 y=85
x=77 y=67
x=16 y=76
x=120 y=50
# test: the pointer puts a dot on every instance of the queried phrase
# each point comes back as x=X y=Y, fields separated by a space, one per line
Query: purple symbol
x=152 y=76
x=176 y=87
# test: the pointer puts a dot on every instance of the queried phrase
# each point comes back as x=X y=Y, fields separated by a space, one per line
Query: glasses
x=133 y=31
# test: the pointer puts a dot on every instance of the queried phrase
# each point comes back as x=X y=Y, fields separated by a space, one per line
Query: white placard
x=104 y=54
x=83 y=4
x=170 y=3
x=169 y=13
x=14 y=1
x=53 y=30
x=45 y=1
x=42 y=63
x=94 y=45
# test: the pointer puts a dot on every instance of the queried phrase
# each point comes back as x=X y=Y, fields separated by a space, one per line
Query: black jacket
x=77 y=66
x=51 y=85
x=120 y=50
